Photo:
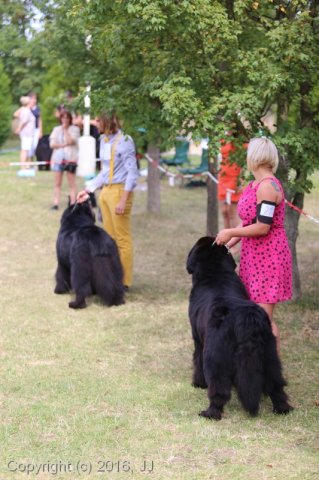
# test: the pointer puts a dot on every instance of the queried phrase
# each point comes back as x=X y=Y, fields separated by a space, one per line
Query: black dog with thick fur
x=88 y=259
x=234 y=344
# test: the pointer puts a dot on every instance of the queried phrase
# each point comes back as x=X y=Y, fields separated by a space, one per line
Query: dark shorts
x=64 y=167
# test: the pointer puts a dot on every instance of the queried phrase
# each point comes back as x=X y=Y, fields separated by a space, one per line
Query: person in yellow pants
x=117 y=179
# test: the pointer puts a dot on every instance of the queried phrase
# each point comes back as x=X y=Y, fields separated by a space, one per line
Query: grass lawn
x=113 y=385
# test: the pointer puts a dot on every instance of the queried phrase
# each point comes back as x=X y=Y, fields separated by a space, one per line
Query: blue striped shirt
x=125 y=166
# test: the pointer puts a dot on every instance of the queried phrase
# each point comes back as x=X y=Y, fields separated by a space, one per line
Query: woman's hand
x=224 y=236
x=120 y=207
x=82 y=196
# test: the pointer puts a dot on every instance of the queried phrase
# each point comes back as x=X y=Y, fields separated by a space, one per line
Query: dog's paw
x=282 y=409
x=199 y=385
x=215 y=415
x=76 y=304
x=119 y=302
x=60 y=290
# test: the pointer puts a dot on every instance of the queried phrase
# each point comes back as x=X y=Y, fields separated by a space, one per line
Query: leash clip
x=228 y=249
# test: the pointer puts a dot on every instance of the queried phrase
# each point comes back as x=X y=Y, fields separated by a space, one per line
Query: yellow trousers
x=118 y=226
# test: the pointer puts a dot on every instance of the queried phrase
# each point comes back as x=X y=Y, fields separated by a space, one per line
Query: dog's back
x=90 y=256
x=253 y=348
x=233 y=339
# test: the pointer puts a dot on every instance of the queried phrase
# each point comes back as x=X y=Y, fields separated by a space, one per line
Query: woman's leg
x=124 y=241
x=233 y=215
x=119 y=227
x=224 y=207
x=72 y=186
x=269 y=308
x=57 y=188
x=107 y=218
x=23 y=158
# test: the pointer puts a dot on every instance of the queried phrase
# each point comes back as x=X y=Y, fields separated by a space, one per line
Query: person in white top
x=25 y=129
x=64 y=141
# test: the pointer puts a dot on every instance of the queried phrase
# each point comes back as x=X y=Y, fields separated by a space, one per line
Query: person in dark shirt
x=35 y=109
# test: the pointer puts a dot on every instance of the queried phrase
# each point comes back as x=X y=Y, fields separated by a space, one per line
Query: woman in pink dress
x=265 y=263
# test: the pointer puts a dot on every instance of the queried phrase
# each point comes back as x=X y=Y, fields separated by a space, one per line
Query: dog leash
x=74 y=206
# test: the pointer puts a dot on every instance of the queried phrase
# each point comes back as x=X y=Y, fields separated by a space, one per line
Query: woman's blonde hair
x=262 y=151
x=24 y=100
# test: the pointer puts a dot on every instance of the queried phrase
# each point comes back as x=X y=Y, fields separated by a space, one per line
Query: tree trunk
x=292 y=229
x=291 y=216
x=212 y=203
x=153 y=181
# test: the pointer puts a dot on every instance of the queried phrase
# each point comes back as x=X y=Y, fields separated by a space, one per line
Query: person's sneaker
x=54 y=207
x=25 y=173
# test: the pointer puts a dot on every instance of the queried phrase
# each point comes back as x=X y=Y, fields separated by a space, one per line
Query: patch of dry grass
x=114 y=384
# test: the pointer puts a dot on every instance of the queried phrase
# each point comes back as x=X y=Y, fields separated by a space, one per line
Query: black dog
x=88 y=259
x=234 y=344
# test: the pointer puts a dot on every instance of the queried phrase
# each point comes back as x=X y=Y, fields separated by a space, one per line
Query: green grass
x=12 y=142
x=114 y=384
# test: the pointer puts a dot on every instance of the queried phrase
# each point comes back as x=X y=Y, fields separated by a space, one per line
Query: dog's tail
x=252 y=330
x=108 y=279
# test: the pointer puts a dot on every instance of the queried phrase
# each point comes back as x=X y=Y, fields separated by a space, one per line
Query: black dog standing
x=88 y=259
x=234 y=344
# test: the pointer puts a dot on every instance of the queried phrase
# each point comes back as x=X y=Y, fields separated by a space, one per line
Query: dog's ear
x=198 y=250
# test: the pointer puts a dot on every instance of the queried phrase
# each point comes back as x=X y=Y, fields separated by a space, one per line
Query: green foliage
x=202 y=66
x=192 y=66
x=55 y=84
x=21 y=48
x=5 y=102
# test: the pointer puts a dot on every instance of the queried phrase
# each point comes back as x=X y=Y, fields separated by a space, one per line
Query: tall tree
x=21 y=49
x=243 y=59
x=199 y=66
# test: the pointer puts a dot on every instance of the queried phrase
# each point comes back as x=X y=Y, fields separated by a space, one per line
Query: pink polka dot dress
x=265 y=262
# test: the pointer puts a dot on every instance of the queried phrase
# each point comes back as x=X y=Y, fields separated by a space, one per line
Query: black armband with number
x=266 y=212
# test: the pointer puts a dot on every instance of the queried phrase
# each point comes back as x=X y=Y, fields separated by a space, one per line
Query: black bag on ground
x=43 y=152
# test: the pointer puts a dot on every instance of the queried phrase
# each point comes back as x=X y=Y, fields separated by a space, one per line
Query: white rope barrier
x=173 y=175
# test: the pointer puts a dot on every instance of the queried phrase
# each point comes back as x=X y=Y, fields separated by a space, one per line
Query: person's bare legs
x=230 y=215
x=233 y=215
x=57 y=188
x=269 y=308
x=234 y=221
x=72 y=186
x=23 y=158
x=224 y=207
